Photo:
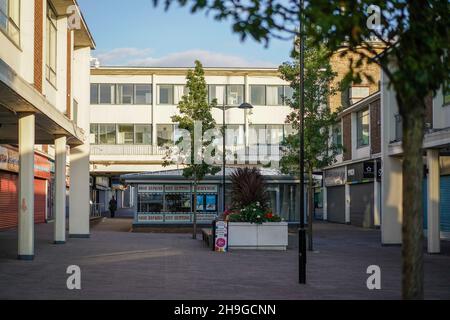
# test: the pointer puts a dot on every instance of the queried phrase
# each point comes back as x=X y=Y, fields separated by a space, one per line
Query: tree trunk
x=194 y=225
x=412 y=112
x=310 y=210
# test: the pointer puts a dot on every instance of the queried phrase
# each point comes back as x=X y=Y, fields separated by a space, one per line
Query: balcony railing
x=126 y=150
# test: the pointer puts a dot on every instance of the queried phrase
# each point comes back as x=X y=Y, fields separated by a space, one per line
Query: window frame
x=158 y=96
x=51 y=70
x=359 y=128
x=10 y=21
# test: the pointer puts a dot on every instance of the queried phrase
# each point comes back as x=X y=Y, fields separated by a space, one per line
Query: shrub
x=248 y=187
x=254 y=213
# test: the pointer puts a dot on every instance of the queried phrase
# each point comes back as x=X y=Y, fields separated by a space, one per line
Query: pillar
x=26 y=187
x=433 y=186
x=79 y=210
x=392 y=195
x=376 y=198
x=325 y=203
x=347 y=203
x=60 y=190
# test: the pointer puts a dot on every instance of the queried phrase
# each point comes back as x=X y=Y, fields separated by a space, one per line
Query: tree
x=194 y=108
x=320 y=150
x=416 y=64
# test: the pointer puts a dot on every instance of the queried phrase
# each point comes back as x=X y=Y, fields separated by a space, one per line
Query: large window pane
x=178 y=202
x=51 y=45
x=125 y=94
x=363 y=128
x=106 y=93
x=10 y=19
x=274 y=133
x=143 y=134
x=258 y=95
x=288 y=94
x=125 y=134
x=107 y=133
x=164 y=134
x=274 y=95
x=4 y=15
x=94 y=93
x=217 y=92
x=165 y=95
x=93 y=137
x=235 y=95
x=143 y=94
x=179 y=92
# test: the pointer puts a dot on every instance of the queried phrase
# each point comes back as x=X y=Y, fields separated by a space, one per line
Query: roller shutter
x=336 y=204
x=40 y=190
x=444 y=205
x=361 y=205
x=8 y=200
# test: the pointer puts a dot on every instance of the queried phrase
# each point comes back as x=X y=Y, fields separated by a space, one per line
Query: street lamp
x=244 y=106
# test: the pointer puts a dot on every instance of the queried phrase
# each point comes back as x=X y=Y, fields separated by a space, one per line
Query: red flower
x=269 y=215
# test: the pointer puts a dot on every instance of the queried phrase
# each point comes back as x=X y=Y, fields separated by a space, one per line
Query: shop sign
x=335 y=176
x=177 y=217
x=206 y=188
x=206 y=217
x=150 y=188
x=221 y=236
x=102 y=182
x=9 y=161
x=368 y=170
x=150 y=218
x=178 y=188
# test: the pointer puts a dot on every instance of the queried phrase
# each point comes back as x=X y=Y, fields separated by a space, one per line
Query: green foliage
x=247 y=187
x=320 y=151
x=254 y=213
x=194 y=107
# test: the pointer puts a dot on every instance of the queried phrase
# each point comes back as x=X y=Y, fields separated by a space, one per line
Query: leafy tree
x=194 y=108
x=416 y=64
x=320 y=151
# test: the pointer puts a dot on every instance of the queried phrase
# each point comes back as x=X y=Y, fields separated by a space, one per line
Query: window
x=178 y=202
x=336 y=136
x=288 y=94
x=125 y=93
x=94 y=93
x=143 y=134
x=93 y=137
x=51 y=45
x=106 y=93
x=165 y=95
x=107 y=134
x=266 y=134
x=446 y=93
x=289 y=130
x=217 y=92
x=179 y=92
x=164 y=134
x=125 y=134
x=142 y=94
x=274 y=95
x=258 y=95
x=235 y=95
x=10 y=19
x=362 y=128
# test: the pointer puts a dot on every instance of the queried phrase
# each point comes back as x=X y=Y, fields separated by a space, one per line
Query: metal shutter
x=445 y=203
x=8 y=200
x=361 y=205
x=40 y=191
x=336 y=204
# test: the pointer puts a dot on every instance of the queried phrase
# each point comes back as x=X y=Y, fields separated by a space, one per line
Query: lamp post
x=301 y=230
x=244 y=106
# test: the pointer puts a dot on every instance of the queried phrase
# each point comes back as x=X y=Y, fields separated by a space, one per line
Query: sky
x=134 y=33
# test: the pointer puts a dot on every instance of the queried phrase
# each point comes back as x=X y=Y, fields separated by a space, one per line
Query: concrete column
x=376 y=199
x=79 y=192
x=26 y=186
x=246 y=112
x=433 y=185
x=325 y=203
x=60 y=190
x=347 y=203
x=154 y=93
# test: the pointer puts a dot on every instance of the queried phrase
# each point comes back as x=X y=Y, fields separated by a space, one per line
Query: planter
x=266 y=236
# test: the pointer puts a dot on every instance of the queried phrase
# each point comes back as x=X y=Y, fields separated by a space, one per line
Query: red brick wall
x=347 y=136
x=38 y=43
x=69 y=73
x=375 y=127
x=429 y=110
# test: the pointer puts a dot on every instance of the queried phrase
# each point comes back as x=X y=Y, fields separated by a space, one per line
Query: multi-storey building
x=131 y=110
x=44 y=98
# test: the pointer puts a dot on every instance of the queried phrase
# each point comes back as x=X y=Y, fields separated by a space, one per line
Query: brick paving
x=118 y=264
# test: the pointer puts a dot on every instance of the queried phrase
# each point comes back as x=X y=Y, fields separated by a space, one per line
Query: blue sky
x=133 y=32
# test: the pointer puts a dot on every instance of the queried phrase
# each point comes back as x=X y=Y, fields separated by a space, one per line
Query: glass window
x=10 y=19
x=288 y=94
x=93 y=137
x=165 y=94
x=274 y=133
x=289 y=130
x=179 y=92
x=257 y=134
x=106 y=93
x=337 y=136
x=235 y=95
x=51 y=46
x=142 y=94
x=143 y=134
x=258 y=95
x=178 y=202
x=125 y=134
x=125 y=93
x=274 y=95
x=362 y=119
x=150 y=202
x=107 y=134
x=164 y=134
x=94 y=93
x=217 y=92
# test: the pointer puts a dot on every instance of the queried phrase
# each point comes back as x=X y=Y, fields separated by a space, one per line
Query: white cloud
x=144 y=57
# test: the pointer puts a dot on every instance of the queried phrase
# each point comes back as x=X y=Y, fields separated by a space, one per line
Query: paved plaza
x=118 y=264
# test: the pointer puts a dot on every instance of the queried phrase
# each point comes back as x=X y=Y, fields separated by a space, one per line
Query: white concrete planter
x=266 y=236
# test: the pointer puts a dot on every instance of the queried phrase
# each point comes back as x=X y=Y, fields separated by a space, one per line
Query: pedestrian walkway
x=118 y=264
